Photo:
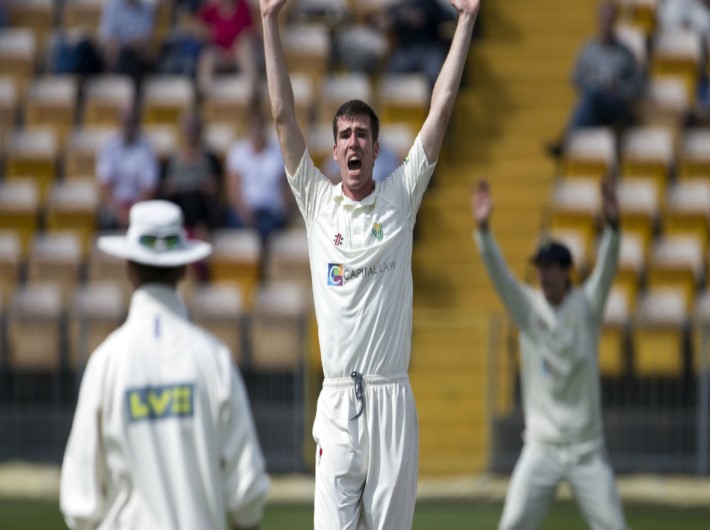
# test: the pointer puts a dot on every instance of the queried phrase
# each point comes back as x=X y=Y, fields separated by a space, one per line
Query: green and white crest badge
x=377 y=231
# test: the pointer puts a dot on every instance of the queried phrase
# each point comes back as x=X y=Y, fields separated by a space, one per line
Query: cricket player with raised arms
x=360 y=248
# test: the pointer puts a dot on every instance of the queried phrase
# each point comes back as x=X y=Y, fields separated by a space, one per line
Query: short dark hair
x=151 y=274
x=357 y=107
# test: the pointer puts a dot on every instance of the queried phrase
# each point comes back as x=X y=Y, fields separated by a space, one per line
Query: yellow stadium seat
x=339 y=88
x=219 y=138
x=635 y=40
x=19 y=209
x=657 y=336
x=320 y=143
x=363 y=10
x=632 y=266
x=575 y=205
x=84 y=145
x=97 y=309
x=163 y=138
x=166 y=98
x=32 y=153
x=102 y=267
x=678 y=53
x=678 y=262
x=236 y=259
x=612 y=339
x=307 y=50
x=589 y=152
x=228 y=100
x=219 y=308
x=37 y=15
x=104 y=97
x=18 y=55
x=304 y=97
x=665 y=104
x=403 y=98
x=639 y=13
x=330 y=13
x=10 y=261
x=687 y=210
x=72 y=205
x=51 y=102
x=399 y=137
x=35 y=327
x=82 y=15
x=639 y=202
x=8 y=104
x=701 y=333
x=647 y=152
x=278 y=327
x=286 y=258
x=56 y=257
x=694 y=154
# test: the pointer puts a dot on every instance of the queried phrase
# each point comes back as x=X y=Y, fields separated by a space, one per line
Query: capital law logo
x=335 y=274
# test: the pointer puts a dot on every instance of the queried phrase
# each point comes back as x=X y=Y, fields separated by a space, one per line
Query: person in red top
x=228 y=29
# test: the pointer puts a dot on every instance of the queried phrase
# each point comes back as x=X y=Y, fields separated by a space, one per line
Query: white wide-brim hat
x=155 y=237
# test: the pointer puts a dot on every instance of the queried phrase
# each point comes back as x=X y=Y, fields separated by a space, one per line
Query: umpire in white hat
x=163 y=436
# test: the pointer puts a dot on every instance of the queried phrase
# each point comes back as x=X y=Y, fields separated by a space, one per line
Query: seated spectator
x=608 y=79
x=687 y=14
x=414 y=25
x=228 y=31
x=127 y=171
x=125 y=32
x=256 y=181
x=192 y=180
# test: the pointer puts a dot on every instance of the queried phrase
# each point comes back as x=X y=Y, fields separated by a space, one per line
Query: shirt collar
x=338 y=195
x=157 y=296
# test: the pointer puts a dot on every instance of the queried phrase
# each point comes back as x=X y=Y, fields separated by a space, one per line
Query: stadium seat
x=8 y=104
x=278 y=327
x=665 y=104
x=694 y=154
x=228 y=100
x=287 y=258
x=18 y=55
x=81 y=15
x=639 y=202
x=639 y=13
x=166 y=98
x=589 y=152
x=320 y=143
x=97 y=309
x=339 y=88
x=687 y=209
x=677 y=262
x=56 y=257
x=304 y=96
x=647 y=152
x=612 y=339
x=678 y=53
x=631 y=269
x=701 y=333
x=51 y=102
x=575 y=205
x=579 y=246
x=10 y=261
x=236 y=259
x=19 y=209
x=73 y=205
x=219 y=138
x=102 y=267
x=219 y=308
x=399 y=137
x=403 y=98
x=363 y=10
x=307 y=50
x=658 y=332
x=104 y=97
x=83 y=147
x=329 y=13
x=35 y=327
x=37 y=15
x=635 y=40
x=32 y=153
x=163 y=138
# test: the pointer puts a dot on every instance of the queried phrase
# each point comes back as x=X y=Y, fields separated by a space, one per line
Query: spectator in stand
x=256 y=181
x=4 y=16
x=228 y=31
x=192 y=180
x=418 y=44
x=688 y=14
x=608 y=79
x=127 y=171
x=125 y=33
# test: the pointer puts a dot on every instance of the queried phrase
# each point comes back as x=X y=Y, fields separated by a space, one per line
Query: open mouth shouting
x=354 y=164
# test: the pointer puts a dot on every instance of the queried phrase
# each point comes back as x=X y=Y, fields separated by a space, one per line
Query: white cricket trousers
x=541 y=467
x=367 y=467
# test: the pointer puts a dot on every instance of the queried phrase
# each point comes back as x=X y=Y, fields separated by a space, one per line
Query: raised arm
x=447 y=84
x=283 y=106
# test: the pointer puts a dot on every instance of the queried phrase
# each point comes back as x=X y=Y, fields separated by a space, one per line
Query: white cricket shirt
x=361 y=265
x=558 y=346
x=163 y=436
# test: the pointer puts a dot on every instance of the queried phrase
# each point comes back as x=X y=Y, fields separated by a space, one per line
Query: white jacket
x=558 y=346
x=163 y=436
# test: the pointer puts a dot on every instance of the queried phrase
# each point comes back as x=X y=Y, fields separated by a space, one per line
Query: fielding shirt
x=361 y=265
x=163 y=437
x=558 y=346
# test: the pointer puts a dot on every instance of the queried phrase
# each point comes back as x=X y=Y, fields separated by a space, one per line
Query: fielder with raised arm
x=360 y=247
x=559 y=335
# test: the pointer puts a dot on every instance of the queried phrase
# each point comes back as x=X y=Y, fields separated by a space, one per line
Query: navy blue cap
x=553 y=253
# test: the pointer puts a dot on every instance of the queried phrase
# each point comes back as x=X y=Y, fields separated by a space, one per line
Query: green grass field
x=28 y=515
